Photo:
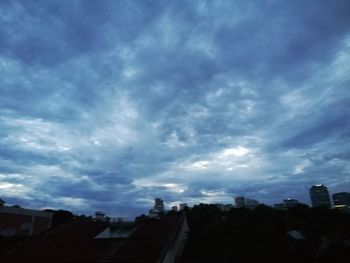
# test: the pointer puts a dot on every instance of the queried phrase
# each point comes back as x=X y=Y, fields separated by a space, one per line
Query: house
x=17 y=221
x=86 y=240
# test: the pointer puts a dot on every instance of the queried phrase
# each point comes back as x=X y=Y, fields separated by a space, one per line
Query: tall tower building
x=319 y=196
x=159 y=204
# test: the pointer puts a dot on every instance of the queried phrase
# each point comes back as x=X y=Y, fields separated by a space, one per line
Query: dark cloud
x=331 y=124
x=107 y=106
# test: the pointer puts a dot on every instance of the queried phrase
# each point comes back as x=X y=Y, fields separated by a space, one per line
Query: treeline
x=61 y=217
x=265 y=234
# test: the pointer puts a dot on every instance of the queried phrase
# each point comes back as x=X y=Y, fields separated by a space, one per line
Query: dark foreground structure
x=264 y=234
x=202 y=234
x=87 y=240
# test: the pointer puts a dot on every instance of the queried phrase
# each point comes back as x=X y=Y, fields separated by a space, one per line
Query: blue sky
x=105 y=105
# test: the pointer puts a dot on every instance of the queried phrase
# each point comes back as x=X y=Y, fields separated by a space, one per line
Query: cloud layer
x=105 y=106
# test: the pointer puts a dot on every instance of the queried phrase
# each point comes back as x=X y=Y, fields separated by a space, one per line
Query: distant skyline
x=106 y=105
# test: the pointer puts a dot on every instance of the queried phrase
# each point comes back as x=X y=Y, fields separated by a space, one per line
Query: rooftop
x=86 y=240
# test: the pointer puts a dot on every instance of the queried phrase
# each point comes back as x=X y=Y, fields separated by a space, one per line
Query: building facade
x=342 y=198
x=319 y=196
x=159 y=204
x=16 y=221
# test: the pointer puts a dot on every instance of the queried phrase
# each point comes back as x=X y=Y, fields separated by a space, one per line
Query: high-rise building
x=159 y=204
x=319 y=196
x=342 y=198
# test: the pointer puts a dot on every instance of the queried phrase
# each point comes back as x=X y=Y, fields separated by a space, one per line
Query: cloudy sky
x=105 y=105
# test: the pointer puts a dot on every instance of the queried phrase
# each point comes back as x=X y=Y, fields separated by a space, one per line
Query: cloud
x=105 y=107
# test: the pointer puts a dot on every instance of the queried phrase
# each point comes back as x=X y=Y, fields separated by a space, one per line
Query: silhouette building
x=17 y=221
x=290 y=202
x=319 y=196
x=342 y=198
x=86 y=240
x=159 y=204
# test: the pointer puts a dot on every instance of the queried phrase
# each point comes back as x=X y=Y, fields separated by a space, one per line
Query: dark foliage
x=261 y=235
x=60 y=217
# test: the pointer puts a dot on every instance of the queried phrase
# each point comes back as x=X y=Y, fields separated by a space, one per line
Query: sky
x=106 y=105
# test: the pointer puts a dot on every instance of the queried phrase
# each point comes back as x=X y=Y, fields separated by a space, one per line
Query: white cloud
x=161 y=182
x=234 y=152
x=72 y=203
x=299 y=169
x=14 y=190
